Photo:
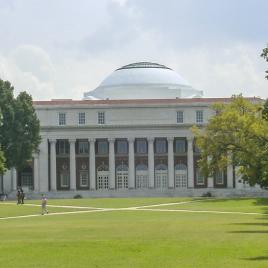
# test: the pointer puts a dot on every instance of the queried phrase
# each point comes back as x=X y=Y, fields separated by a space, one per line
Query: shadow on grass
x=258 y=258
x=250 y=232
x=252 y=223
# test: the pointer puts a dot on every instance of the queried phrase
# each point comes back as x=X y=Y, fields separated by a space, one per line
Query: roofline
x=63 y=102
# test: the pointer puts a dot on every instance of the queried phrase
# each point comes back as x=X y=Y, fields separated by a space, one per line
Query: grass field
x=135 y=232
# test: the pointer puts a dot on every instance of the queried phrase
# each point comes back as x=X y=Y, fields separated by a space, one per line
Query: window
x=199 y=117
x=62 y=119
x=200 y=179
x=161 y=146
x=141 y=147
x=27 y=180
x=180 y=146
x=81 y=118
x=102 y=147
x=101 y=118
x=219 y=177
x=64 y=179
x=83 y=178
x=62 y=147
x=180 y=116
x=121 y=147
x=82 y=147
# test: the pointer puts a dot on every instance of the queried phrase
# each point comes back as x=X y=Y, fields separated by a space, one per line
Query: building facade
x=105 y=145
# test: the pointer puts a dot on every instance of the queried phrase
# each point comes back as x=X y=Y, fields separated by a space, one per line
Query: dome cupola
x=143 y=80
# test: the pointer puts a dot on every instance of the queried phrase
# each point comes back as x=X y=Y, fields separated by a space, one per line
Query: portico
x=117 y=163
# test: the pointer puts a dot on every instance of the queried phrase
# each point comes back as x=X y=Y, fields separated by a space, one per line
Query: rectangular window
x=161 y=146
x=27 y=180
x=62 y=147
x=62 y=119
x=219 y=177
x=180 y=117
x=180 y=146
x=199 y=117
x=101 y=118
x=83 y=178
x=82 y=147
x=64 y=179
x=121 y=147
x=102 y=147
x=200 y=179
x=141 y=147
x=81 y=118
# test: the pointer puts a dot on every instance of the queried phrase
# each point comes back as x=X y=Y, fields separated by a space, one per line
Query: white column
x=36 y=172
x=111 y=164
x=131 y=164
x=170 y=162
x=151 y=161
x=92 y=164
x=53 y=176
x=190 y=162
x=72 y=165
x=14 y=179
x=230 y=183
x=43 y=165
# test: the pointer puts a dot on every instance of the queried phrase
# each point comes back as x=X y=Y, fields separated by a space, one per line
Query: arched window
x=161 y=167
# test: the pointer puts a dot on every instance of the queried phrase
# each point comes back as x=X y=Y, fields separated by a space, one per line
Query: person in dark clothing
x=18 y=197
x=22 y=196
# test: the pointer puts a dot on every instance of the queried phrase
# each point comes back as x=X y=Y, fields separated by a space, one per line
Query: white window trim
x=216 y=178
x=65 y=119
x=61 y=180
x=198 y=183
x=197 y=120
x=180 y=111
x=79 y=123
x=98 y=118
x=81 y=184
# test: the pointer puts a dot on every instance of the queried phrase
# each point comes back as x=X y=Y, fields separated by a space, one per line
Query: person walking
x=18 y=197
x=22 y=195
x=44 y=204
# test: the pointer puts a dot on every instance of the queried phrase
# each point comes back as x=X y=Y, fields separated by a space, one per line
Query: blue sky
x=61 y=48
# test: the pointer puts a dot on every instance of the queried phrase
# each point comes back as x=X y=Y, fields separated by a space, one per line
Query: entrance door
x=142 y=178
x=181 y=176
x=122 y=176
x=103 y=177
x=161 y=176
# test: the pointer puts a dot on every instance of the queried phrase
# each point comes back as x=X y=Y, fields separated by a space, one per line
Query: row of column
x=39 y=184
x=131 y=161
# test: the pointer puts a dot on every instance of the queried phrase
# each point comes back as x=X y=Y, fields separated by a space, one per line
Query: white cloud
x=74 y=47
x=29 y=68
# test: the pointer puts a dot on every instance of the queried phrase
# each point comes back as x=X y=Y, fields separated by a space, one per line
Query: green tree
x=20 y=126
x=264 y=54
x=2 y=158
x=237 y=134
x=265 y=110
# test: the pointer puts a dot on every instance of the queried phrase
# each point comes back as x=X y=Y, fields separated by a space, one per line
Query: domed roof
x=143 y=80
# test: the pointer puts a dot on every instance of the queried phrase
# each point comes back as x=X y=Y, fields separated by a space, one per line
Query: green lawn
x=136 y=238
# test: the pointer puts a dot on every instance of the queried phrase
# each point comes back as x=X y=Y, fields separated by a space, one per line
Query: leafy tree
x=237 y=134
x=264 y=54
x=20 y=126
x=265 y=110
x=2 y=159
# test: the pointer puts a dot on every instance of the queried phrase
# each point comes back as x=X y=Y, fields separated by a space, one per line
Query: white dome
x=143 y=80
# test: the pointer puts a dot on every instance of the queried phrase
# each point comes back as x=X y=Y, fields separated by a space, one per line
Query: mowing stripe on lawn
x=53 y=214
x=53 y=206
x=173 y=203
x=202 y=211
